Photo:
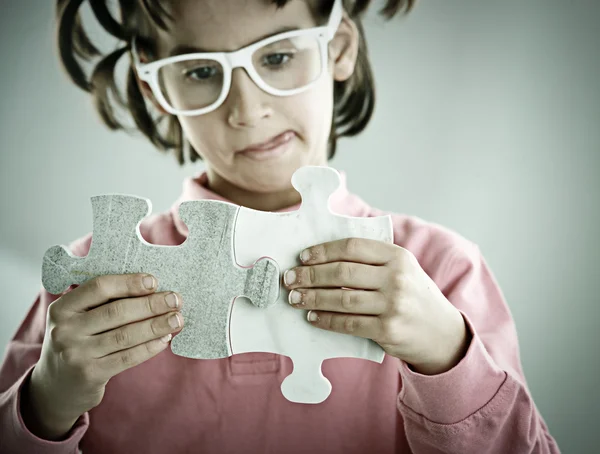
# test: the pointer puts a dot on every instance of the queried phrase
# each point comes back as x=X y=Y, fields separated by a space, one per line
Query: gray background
x=487 y=123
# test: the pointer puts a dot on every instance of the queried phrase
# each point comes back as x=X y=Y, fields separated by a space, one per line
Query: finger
x=367 y=326
x=134 y=334
x=118 y=362
x=102 y=289
x=128 y=310
x=338 y=274
x=364 y=302
x=359 y=250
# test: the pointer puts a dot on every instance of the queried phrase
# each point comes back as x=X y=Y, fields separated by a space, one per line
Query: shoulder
x=422 y=237
x=415 y=233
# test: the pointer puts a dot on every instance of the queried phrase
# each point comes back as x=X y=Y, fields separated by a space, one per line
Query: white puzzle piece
x=281 y=328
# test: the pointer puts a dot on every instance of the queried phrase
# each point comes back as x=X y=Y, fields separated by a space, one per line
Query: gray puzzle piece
x=202 y=269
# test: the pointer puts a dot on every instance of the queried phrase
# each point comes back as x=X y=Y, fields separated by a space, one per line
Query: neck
x=271 y=201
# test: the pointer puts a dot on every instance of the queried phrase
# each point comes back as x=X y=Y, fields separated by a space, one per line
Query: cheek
x=203 y=133
x=313 y=110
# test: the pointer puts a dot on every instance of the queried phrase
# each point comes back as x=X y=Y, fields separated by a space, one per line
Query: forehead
x=226 y=25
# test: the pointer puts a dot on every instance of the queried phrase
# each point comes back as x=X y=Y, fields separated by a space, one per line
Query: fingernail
x=289 y=277
x=174 y=321
x=295 y=297
x=312 y=317
x=172 y=300
x=166 y=338
x=305 y=255
x=149 y=282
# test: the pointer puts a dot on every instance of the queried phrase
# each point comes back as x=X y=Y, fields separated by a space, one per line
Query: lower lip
x=270 y=153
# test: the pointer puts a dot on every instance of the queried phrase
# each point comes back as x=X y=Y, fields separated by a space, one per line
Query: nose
x=247 y=103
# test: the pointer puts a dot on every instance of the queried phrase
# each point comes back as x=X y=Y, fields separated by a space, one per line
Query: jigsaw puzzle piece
x=202 y=269
x=222 y=280
x=282 y=329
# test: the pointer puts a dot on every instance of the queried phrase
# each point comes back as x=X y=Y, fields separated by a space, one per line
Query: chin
x=273 y=175
x=270 y=180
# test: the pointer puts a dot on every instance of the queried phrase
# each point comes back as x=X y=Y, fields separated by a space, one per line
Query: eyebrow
x=185 y=49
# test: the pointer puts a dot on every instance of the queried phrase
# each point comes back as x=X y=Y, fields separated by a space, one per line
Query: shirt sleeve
x=21 y=355
x=482 y=405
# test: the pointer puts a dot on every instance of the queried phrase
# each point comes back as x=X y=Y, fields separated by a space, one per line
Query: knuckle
x=58 y=337
x=312 y=275
x=151 y=305
x=400 y=251
x=112 y=311
x=405 y=256
x=157 y=329
x=150 y=349
x=133 y=283
x=400 y=282
x=126 y=358
x=122 y=337
x=351 y=246
x=54 y=311
x=387 y=331
x=70 y=357
x=312 y=299
x=348 y=300
x=343 y=271
x=99 y=286
x=399 y=308
x=351 y=324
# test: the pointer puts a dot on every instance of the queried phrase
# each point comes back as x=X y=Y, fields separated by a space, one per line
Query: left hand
x=387 y=297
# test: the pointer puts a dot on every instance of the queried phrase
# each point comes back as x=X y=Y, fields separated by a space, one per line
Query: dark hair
x=354 y=99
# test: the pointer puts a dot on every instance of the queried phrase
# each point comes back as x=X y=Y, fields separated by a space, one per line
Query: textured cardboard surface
x=202 y=269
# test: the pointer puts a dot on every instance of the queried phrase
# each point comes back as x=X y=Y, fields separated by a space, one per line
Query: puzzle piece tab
x=191 y=269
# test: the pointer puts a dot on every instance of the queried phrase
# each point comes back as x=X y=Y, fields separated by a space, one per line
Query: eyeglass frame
x=241 y=58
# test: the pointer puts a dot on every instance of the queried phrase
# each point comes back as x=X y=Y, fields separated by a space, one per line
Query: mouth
x=274 y=147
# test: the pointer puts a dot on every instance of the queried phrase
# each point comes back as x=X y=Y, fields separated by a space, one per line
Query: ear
x=343 y=49
x=145 y=88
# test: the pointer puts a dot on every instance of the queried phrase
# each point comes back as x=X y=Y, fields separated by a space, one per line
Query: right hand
x=99 y=329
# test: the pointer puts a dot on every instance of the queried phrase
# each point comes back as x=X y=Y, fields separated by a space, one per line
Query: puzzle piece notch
x=316 y=185
x=191 y=268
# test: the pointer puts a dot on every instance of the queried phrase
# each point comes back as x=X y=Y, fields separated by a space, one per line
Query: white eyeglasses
x=282 y=65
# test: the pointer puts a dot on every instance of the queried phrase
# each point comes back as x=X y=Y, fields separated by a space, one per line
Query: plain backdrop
x=487 y=122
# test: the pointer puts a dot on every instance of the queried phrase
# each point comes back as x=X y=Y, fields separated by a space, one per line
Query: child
x=88 y=370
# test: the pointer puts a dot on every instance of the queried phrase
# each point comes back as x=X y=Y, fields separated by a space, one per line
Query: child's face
x=250 y=116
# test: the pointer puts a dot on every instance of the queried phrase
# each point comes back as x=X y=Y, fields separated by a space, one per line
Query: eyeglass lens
x=287 y=64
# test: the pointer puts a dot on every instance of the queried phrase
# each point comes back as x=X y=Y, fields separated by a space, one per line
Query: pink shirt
x=234 y=405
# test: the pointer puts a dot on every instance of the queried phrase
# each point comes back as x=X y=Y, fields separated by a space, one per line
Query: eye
x=277 y=59
x=202 y=72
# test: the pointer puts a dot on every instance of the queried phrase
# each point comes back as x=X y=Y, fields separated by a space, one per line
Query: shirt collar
x=196 y=188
